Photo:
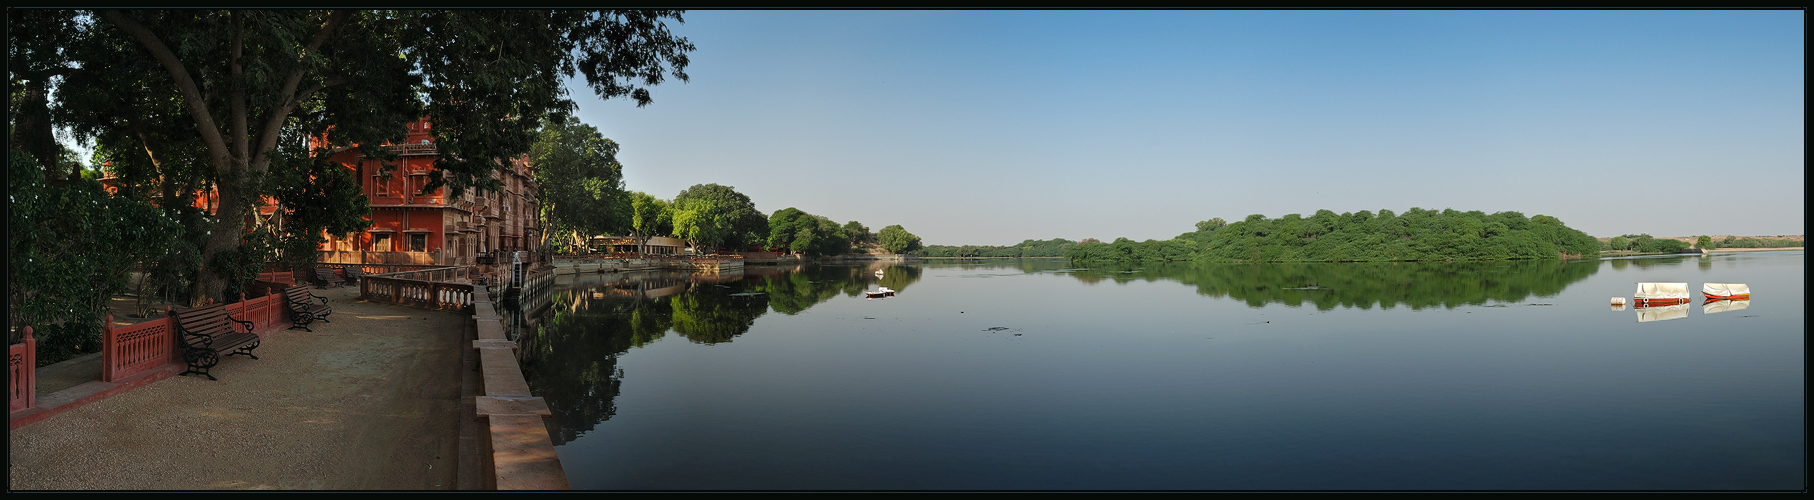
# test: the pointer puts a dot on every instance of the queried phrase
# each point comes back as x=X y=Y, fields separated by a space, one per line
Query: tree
x=70 y=248
x=241 y=77
x=1619 y=243
x=649 y=216
x=1704 y=243
x=896 y=239
x=581 y=183
x=710 y=216
x=858 y=234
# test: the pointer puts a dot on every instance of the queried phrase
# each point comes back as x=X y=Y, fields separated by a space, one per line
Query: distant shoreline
x=1730 y=250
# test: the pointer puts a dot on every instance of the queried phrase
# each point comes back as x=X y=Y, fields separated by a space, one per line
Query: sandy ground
x=370 y=401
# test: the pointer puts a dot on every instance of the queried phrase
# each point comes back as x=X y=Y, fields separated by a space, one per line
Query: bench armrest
x=245 y=323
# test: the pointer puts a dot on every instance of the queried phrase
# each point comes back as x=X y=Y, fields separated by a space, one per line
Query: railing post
x=110 y=350
x=24 y=379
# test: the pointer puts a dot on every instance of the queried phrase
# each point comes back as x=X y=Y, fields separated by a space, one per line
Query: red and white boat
x=1726 y=291
x=1660 y=294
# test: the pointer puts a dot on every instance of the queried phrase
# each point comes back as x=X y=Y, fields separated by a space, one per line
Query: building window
x=418 y=242
x=381 y=242
x=380 y=186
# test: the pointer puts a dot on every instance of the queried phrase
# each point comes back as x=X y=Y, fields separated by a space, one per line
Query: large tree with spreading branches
x=201 y=100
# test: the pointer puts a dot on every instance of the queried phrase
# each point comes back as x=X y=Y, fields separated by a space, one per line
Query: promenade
x=372 y=400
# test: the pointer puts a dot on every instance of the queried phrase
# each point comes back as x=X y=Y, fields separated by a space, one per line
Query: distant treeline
x=1417 y=235
x=1055 y=247
x=1645 y=243
x=1732 y=242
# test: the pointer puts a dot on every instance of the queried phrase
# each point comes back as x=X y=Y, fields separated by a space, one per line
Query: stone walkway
x=372 y=400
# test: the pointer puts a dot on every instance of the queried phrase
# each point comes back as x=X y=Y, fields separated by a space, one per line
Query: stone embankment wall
x=576 y=265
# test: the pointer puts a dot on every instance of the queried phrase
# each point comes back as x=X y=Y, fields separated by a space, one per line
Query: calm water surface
x=1035 y=375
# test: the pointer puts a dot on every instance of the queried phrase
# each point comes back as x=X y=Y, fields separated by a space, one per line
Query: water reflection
x=1662 y=313
x=918 y=394
x=569 y=341
x=794 y=291
x=1363 y=285
x=1720 y=306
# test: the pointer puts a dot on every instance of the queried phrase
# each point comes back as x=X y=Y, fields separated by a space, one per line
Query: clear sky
x=992 y=127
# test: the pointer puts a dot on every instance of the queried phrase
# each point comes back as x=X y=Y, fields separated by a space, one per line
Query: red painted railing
x=24 y=373
x=264 y=312
x=135 y=349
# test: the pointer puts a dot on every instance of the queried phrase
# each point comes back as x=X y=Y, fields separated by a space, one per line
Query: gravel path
x=370 y=401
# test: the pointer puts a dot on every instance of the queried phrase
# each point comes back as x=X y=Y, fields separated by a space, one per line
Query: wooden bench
x=304 y=309
x=354 y=274
x=208 y=332
x=327 y=277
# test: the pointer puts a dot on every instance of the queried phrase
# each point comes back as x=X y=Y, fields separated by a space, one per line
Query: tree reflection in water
x=569 y=348
x=1361 y=284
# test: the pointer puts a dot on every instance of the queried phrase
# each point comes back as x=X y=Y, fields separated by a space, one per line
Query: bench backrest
x=354 y=271
x=207 y=320
x=326 y=274
x=298 y=294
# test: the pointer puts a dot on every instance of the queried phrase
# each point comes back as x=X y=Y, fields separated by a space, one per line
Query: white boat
x=1726 y=291
x=1660 y=294
x=1720 y=306
x=878 y=273
x=1662 y=313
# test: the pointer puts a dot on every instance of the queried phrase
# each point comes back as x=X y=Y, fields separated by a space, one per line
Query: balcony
x=411 y=149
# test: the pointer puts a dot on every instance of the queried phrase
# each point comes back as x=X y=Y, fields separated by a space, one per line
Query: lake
x=1040 y=375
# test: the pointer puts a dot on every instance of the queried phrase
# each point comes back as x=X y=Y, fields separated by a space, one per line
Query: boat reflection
x=1720 y=306
x=1662 y=313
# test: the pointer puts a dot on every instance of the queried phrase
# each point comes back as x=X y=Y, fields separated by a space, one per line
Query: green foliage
x=1736 y=242
x=204 y=96
x=1056 y=247
x=1326 y=236
x=793 y=230
x=1704 y=242
x=1618 y=243
x=1418 y=234
x=70 y=248
x=318 y=198
x=858 y=234
x=710 y=216
x=649 y=215
x=581 y=184
x=896 y=239
x=1126 y=250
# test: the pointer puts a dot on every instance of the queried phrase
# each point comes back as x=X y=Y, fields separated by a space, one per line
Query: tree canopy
x=581 y=184
x=205 y=96
x=710 y=217
x=896 y=239
x=1326 y=236
x=793 y=230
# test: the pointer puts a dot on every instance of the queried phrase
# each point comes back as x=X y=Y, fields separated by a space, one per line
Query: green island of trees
x=1416 y=235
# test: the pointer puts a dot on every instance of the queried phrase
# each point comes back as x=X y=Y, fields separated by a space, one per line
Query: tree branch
x=192 y=96
x=236 y=90
x=267 y=136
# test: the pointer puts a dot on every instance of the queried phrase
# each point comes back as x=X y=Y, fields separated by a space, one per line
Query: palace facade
x=412 y=227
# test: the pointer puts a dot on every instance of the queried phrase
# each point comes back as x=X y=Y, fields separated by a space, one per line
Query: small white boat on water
x=1726 y=291
x=879 y=292
x=1660 y=294
x=878 y=273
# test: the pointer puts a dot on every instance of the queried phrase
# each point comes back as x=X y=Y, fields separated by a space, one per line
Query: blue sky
x=992 y=127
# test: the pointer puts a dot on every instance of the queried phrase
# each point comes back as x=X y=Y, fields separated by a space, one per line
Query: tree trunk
x=32 y=131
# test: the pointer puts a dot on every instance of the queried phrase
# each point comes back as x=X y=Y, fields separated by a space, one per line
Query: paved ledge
x=513 y=405
x=521 y=453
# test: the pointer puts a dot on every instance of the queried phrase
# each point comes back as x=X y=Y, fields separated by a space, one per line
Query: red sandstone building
x=409 y=227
